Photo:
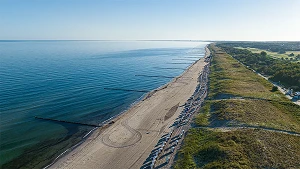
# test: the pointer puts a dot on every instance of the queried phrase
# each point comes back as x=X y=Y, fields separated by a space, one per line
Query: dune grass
x=230 y=78
x=257 y=113
x=202 y=119
x=210 y=149
x=238 y=96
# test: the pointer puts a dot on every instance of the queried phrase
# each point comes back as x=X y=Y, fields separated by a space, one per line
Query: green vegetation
x=247 y=148
x=231 y=79
x=274 y=89
x=239 y=97
x=271 y=114
x=278 y=47
x=285 y=72
x=202 y=118
x=283 y=56
x=263 y=53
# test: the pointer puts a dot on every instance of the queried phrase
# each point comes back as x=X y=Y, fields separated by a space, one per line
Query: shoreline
x=105 y=123
x=62 y=160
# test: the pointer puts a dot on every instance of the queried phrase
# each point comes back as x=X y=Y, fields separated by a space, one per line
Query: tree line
x=281 y=71
x=279 y=47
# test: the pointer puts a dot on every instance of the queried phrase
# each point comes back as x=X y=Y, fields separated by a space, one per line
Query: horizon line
x=185 y=40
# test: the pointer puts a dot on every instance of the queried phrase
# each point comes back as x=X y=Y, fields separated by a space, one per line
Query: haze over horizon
x=251 y=20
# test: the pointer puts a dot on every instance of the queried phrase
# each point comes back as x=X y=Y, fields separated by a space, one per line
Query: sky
x=256 y=20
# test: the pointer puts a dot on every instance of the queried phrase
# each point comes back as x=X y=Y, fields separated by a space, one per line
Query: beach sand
x=130 y=139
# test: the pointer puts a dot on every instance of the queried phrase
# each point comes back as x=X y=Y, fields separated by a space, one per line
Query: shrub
x=274 y=89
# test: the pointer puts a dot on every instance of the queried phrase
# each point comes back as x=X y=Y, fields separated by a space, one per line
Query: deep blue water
x=65 y=80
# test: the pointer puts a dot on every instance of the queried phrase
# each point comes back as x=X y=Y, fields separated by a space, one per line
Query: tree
x=292 y=54
x=286 y=71
x=263 y=53
x=274 y=88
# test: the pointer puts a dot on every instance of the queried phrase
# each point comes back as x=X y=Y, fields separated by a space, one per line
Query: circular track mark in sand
x=136 y=137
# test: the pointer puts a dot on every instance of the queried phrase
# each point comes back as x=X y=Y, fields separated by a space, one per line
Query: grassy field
x=231 y=79
x=273 y=54
x=255 y=113
x=239 y=97
x=246 y=149
x=295 y=52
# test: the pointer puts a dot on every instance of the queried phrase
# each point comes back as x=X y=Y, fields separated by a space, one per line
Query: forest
x=284 y=72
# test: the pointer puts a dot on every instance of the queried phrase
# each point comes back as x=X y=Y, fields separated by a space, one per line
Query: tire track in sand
x=136 y=137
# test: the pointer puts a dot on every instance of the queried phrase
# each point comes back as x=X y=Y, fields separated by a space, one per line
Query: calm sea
x=65 y=80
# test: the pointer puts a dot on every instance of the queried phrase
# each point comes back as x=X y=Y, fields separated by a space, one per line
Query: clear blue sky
x=150 y=19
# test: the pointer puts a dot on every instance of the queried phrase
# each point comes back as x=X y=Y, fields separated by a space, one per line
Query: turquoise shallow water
x=65 y=80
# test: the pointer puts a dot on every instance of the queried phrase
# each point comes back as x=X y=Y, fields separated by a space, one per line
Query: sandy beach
x=130 y=139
